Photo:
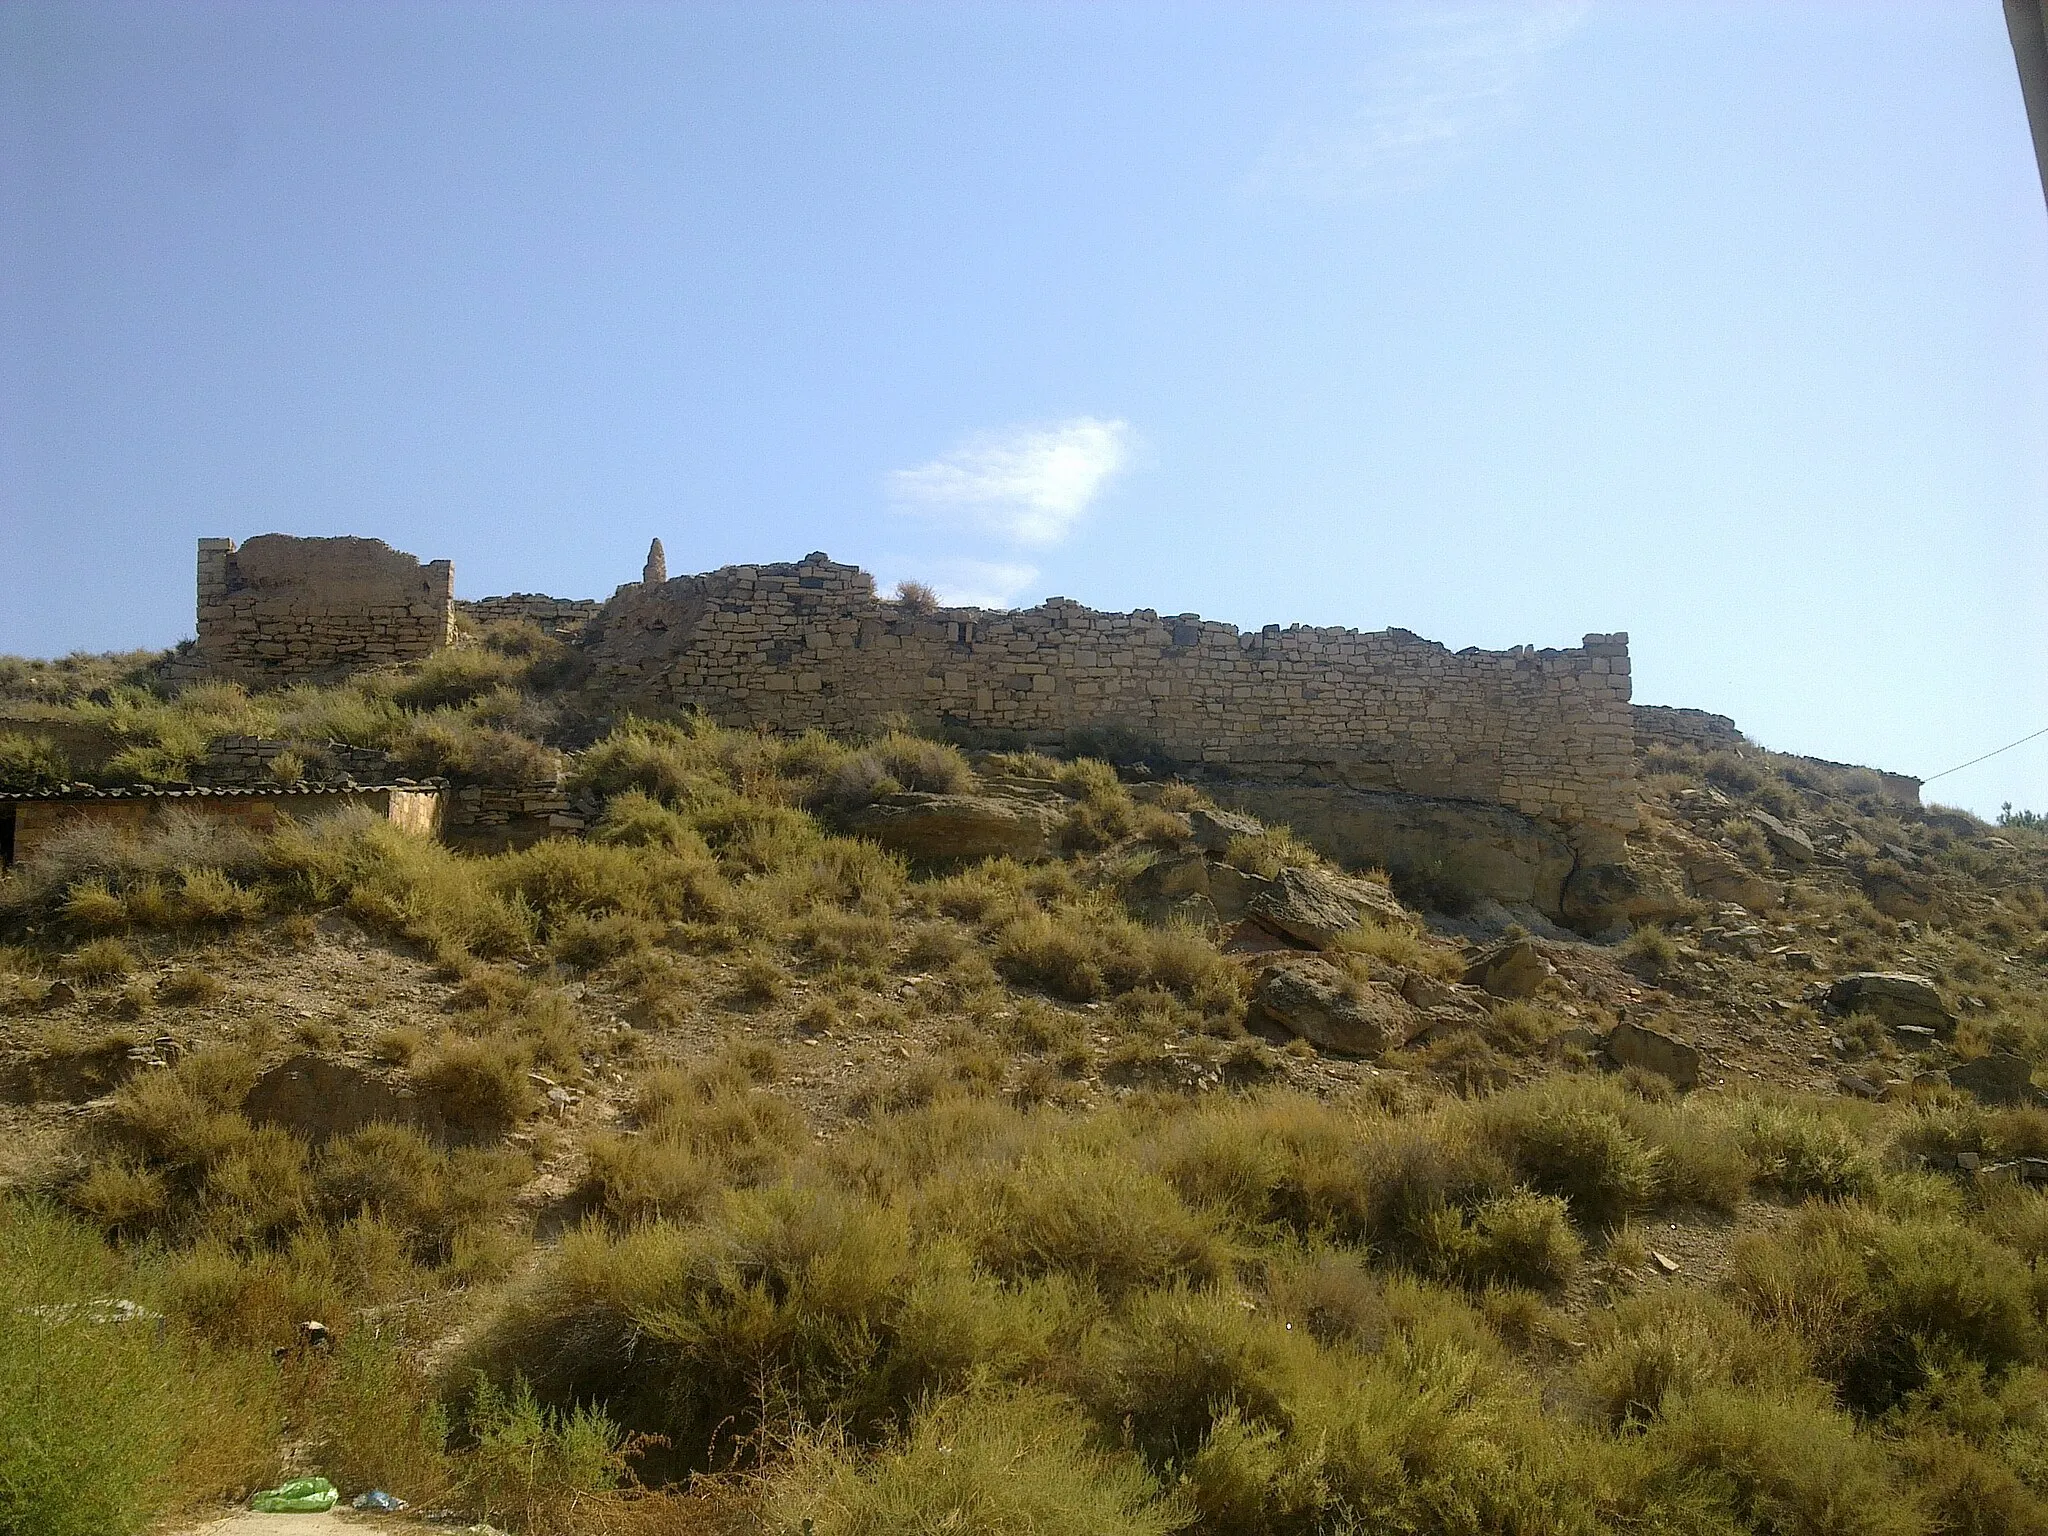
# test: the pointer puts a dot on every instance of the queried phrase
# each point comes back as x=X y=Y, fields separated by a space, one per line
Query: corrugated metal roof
x=83 y=792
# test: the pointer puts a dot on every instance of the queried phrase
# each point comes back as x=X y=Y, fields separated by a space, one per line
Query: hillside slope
x=778 y=1154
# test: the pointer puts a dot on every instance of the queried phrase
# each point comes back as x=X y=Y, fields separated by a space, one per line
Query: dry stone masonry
x=283 y=607
x=562 y=617
x=809 y=645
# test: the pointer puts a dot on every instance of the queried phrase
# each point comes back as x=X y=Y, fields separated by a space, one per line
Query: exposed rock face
x=1511 y=968
x=316 y=1098
x=927 y=826
x=1894 y=999
x=1319 y=908
x=1597 y=897
x=1637 y=1045
x=1488 y=850
x=2000 y=1078
x=1310 y=997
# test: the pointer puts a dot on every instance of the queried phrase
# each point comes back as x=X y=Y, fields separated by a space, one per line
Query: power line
x=1973 y=762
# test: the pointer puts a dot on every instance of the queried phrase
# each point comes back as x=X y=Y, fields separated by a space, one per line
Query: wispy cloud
x=1027 y=484
x=1447 y=76
x=980 y=583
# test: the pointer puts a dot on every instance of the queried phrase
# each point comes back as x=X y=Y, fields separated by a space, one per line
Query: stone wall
x=1547 y=733
x=1661 y=725
x=248 y=760
x=282 y=607
x=563 y=617
x=29 y=821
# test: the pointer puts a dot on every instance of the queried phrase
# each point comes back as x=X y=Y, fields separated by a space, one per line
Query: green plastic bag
x=300 y=1496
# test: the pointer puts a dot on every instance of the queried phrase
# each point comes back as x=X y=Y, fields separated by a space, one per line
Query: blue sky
x=1726 y=325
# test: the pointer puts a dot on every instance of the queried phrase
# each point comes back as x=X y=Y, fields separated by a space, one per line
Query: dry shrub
x=191 y=988
x=1877 y=1301
x=99 y=961
x=479 y=1087
x=1006 y=1465
x=1084 y=953
x=1267 y=852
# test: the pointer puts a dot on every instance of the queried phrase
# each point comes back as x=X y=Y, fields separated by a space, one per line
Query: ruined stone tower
x=656 y=570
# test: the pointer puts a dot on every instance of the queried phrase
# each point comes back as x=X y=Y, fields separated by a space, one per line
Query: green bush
x=30 y=763
x=106 y=1425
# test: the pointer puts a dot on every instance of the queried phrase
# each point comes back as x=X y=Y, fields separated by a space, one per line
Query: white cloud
x=1447 y=76
x=1027 y=484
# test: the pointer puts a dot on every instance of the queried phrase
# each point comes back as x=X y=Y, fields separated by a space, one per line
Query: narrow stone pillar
x=656 y=570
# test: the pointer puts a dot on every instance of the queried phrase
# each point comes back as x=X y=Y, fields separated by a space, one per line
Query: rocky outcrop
x=1786 y=840
x=1310 y=997
x=1213 y=831
x=2000 y=1078
x=1512 y=968
x=1599 y=897
x=1893 y=998
x=928 y=826
x=1638 y=1045
x=1318 y=908
x=1446 y=845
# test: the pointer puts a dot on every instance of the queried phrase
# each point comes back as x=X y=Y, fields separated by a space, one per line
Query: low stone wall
x=1547 y=733
x=28 y=822
x=281 y=607
x=1693 y=729
x=485 y=805
x=250 y=760
x=562 y=617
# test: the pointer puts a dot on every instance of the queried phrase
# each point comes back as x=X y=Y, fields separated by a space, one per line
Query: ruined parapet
x=284 y=607
x=1661 y=725
x=1547 y=733
x=655 y=571
x=562 y=617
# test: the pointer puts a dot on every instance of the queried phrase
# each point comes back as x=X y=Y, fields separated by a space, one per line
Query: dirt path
x=333 y=1523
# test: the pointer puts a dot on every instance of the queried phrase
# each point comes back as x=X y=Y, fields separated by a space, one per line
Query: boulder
x=1310 y=997
x=1893 y=998
x=1213 y=830
x=1714 y=876
x=1787 y=841
x=1638 y=1045
x=1900 y=894
x=1597 y=897
x=927 y=826
x=2000 y=1078
x=1232 y=890
x=1318 y=908
x=1511 y=968
x=1171 y=886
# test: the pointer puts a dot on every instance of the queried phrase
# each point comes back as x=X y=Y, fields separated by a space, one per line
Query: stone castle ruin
x=1546 y=734
x=1515 y=766
x=286 y=608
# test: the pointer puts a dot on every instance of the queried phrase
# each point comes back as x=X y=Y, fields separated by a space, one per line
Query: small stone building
x=286 y=608
x=29 y=819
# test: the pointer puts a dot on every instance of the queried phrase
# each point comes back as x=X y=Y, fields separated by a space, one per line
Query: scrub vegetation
x=716 y=1171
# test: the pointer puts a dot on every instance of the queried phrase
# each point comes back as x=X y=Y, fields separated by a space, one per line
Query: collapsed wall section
x=805 y=645
x=284 y=607
x=562 y=617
